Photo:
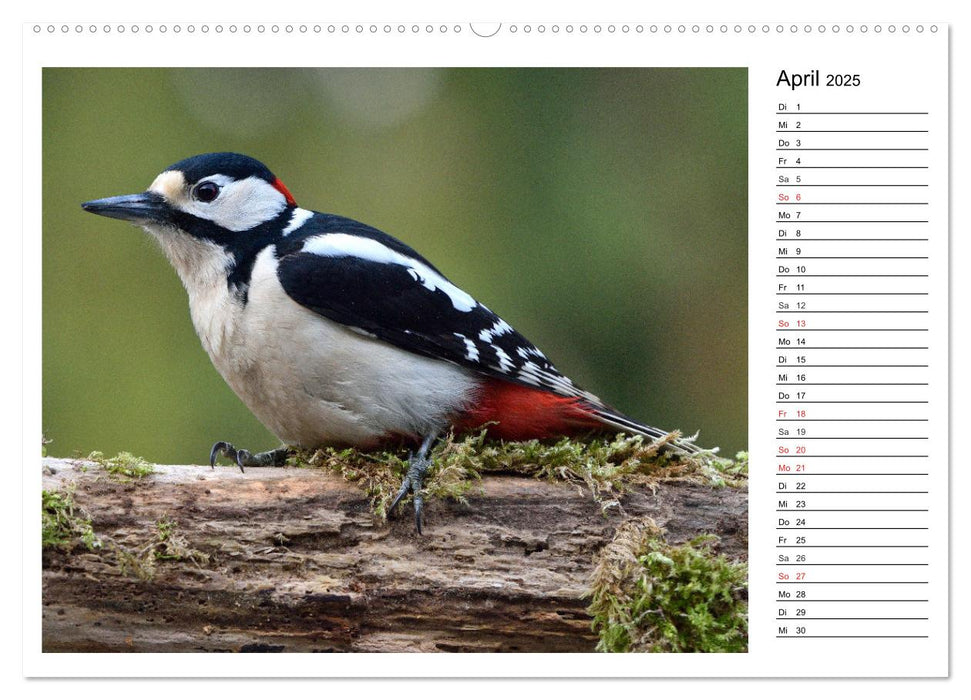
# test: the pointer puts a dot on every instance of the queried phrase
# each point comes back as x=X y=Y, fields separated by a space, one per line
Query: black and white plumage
x=333 y=332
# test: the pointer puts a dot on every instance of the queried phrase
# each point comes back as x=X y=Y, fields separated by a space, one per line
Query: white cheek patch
x=342 y=244
x=240 y=206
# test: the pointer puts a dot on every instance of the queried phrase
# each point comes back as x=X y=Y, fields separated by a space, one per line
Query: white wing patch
x=526 y=353
x=500 y=327
x=471 y=351
x=298 y=219
x=505 y=362
x=338 y=245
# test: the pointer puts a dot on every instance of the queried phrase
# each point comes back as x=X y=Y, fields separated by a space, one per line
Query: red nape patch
x=282 y=189
x=524 y=413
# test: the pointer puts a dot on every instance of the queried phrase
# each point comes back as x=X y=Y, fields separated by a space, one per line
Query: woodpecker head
x=210 y=196
x=207 y=211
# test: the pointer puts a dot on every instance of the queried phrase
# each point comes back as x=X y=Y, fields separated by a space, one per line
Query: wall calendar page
x=734 y=236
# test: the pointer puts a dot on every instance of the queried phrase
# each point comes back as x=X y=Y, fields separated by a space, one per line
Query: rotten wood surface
x=292 y=559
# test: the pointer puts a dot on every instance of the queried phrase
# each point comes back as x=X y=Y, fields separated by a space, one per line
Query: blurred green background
x=602 y=212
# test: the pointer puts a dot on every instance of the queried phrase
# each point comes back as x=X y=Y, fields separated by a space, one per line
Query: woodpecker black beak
x=146 y=206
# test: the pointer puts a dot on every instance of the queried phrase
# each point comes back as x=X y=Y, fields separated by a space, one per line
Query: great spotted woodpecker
x=334 y=333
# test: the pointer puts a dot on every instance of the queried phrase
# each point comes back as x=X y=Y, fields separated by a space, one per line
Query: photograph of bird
x=334 y=333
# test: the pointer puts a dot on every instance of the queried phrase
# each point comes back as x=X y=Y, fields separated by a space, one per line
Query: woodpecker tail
x=518 y=412
x=609 y=417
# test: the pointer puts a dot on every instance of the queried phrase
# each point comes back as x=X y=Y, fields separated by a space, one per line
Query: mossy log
x=293 y=559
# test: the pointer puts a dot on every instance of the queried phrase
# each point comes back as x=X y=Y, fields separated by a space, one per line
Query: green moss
x=64 y=524
x=171 y=545
x=122 y=467
x=607 y=467
x=650 y=596
x=165 y=543
x=727 y=472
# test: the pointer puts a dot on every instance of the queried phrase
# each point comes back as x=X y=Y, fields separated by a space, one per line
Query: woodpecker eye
x=206 y=191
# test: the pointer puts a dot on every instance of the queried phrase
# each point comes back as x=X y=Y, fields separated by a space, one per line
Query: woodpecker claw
x=405 y=487
x=245 y=458
x=214 y=452
x=414 y=480
x=418 y=509
x=227 y=450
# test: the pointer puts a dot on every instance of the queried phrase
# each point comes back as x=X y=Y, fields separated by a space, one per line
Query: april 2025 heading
x=812 y=79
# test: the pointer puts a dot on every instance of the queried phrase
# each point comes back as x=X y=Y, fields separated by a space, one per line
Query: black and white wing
x=381 y=287
x=362 y=278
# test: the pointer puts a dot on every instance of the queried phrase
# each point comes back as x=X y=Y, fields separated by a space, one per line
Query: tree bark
x=292 y=559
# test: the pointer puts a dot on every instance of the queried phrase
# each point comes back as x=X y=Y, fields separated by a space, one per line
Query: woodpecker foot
x=418 y=466
x=414 y=480
x=245 y=458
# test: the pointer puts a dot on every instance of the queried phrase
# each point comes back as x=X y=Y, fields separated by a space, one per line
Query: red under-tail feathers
x=518 y=412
